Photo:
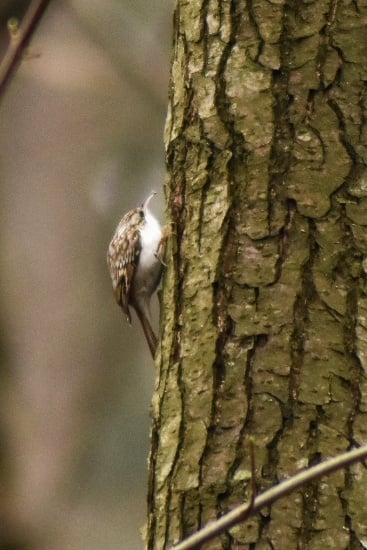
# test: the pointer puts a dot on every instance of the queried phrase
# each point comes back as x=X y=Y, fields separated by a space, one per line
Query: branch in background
x=19 y=35
x=244 y=511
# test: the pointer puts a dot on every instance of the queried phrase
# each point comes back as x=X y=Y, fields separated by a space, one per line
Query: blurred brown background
x=81 y=128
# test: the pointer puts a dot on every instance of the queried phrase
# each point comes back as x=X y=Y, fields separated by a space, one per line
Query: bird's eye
x=141 y=212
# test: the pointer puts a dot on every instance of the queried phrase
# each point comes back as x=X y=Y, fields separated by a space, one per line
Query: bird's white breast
x=150 y=235
x=149 y=268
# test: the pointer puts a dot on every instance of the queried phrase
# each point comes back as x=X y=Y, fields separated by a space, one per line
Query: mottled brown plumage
x=123 y=255
x=134 y=265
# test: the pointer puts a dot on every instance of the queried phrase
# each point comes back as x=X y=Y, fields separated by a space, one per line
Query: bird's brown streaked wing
x=123 y=255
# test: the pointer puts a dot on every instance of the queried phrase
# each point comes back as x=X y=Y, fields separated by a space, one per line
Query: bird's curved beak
x=147 y=201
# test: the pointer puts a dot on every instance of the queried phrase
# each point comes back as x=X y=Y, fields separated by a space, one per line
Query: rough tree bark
x=264 y=301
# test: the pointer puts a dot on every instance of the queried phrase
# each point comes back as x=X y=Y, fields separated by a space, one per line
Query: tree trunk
x=264 y=305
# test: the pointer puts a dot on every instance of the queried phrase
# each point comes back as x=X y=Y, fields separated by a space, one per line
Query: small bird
x=135 y=265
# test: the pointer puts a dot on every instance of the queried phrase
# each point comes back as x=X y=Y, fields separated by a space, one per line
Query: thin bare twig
x=248 y=509
x=18 y=38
